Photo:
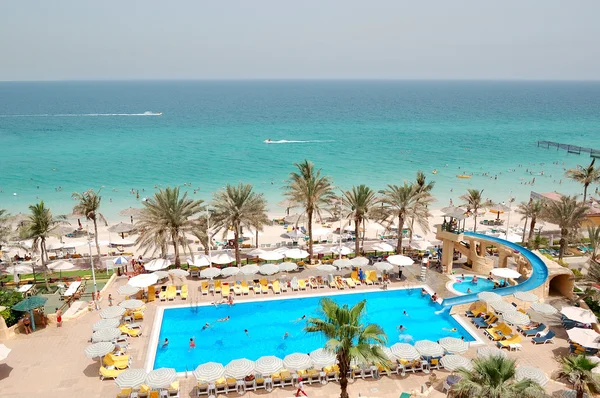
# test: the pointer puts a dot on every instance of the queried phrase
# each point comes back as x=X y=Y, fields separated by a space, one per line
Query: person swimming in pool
x=246 y=331
x=223 y=319
x=192 y=344
x=401 y=328
x=469 y=290
x=206 y=326
x=453 y=330
x=165 y=343
x=286 y=335
x=300 y=319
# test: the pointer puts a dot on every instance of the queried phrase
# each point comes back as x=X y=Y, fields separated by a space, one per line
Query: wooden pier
x=575 y=149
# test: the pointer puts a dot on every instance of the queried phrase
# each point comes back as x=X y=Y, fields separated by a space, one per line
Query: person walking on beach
x=110 y=300
x=58 y=318
x=300 y=388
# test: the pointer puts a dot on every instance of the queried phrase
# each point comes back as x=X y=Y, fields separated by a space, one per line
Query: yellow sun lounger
x=109 y=373
x=151 y=293
x=162 y=295
x=276 y=287
x=354 y=277
x=302 y=284
x=339 y=282
x=130 y=332
x=245 y=288
x=513 y=340
x=184 y=292
x=217 y=286
x=117 y=361
x=237 y=289
x=264 y=286
x=124 y=393
x=171 y=292
x=204 y=288
x=225 y=290
x=350 y=283
x=372 y=278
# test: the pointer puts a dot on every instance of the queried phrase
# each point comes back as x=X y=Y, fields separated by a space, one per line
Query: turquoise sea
x=80 y=135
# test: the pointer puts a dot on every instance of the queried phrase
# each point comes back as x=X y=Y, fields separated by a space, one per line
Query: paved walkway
x=51 y=361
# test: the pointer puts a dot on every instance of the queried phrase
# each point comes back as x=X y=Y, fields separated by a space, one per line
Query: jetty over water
x=594 y=153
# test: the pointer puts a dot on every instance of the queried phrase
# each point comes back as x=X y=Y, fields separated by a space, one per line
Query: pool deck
x=52 y=361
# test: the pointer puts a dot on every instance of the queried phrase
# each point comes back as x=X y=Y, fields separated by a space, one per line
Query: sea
x=131 y=138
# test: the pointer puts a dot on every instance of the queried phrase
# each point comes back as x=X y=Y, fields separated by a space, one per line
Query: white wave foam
x=295 y=141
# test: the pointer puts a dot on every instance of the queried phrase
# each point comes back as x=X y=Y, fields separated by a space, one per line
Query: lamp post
x=93 y=273
x=208 y=237
x=340 y=216
x=510 y=202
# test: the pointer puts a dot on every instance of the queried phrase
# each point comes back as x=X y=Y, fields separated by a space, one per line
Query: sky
x=308 y=39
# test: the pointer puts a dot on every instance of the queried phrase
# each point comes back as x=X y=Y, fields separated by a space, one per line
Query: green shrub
x=8 y=298
x=593 y=304
x=577 y=290
x=577 y=273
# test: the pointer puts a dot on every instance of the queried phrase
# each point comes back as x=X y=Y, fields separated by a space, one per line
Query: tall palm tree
x=577 y=369
x=494 y=377
x=568 y=214
x=524 y=210
x=236 y=207
x=422 y=187
x=5 y=230
x=401 y=203
x=39 y=227
x=348 y=337
x=312 y=191
x=358 y=202
x=594 y=236
x=165 y=219
x=87 y=206
x=474 y=202
x=200 y=231
x=585 y=176
x=536 y=207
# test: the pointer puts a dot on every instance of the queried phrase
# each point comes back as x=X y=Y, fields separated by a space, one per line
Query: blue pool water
x=268 y=321
x=481 y=286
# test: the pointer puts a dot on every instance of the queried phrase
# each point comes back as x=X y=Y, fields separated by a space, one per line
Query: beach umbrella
x=531 y=373
x=514 y=238
x=128 y=290
x=428 y=348
x=250 y=269
x=288 y=266
x=288 y=204
x=229 y=271
x=112 y=312
x=585 y=337
x=295 y=234
x=383 y=247
x=18 y=269
x=516 y=318
x=210 y=273
x=405 y=351
x=28 y=305
x=420 y=245
x=488 y=297
x=454 y=362
x=452 y=210
x=223 y=258
x=179 y=273
x=121 y=260
x=268 y=365
x=4 y=351
x=131 y=304
x=99 y=349
x=501 y=306
x=579 y=314
x=296 y=253
x=344 y=250
x=271 y=256
x=383 y=266
x=131 y=378
x=161 y=274
x=399 y=260
x=108 y=334
x=320 y=231
x=121 y=228
x=209 y=372
x=506 y=273
x=526 y=296
x=295 y=218
x=239 y=368
x=161 y=378
x=256 y=252
x=251 y=234
x=342 y=263
x=72 y=245
x=106 y=324
x=199 y=260
x=131 y=212
x=326 y=268
x=157 y=264
x=485 y=352
x=54 y=246
x=322 y=358
x=388 y=353
x=319 y=249
x=453 y=345
x=143 y=280
x=544 y=308
x=360 y=261
x=60 y=265
x=268 y=269
x=297 y=361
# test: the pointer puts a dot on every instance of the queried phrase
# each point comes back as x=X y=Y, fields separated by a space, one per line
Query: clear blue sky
x=196 y=39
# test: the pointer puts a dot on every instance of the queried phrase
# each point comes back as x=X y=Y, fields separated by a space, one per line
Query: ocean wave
x=86 y=114
x=295 y=141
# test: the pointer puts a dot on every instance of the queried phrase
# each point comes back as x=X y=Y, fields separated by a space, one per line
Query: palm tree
x=494 y=377
x=474 y=202
x=165 y=219
x=358 y=203
x=312 y=191
x=200 y=231
x=39 y=227
x=568 y=214
x=422 y=187
x=5 y=231
x=536 y=207
x=348 y=337
x=524 y=210
x=236 y=207
x=594 y=236
x=402 y=203
x=585 y=176
x=88 y=206
x=577 y=369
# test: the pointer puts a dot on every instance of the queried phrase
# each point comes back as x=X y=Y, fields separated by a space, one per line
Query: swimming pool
x=267 y=321
x=483 y=284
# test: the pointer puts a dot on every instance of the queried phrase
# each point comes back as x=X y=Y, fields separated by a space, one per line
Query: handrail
x=538 y=276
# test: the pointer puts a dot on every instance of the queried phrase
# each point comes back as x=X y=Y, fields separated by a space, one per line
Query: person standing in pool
x=192 y=344
x=246 y=331
x=165 y=343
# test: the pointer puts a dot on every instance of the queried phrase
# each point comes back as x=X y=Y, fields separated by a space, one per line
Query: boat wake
x=86 y=114
x=295 y=141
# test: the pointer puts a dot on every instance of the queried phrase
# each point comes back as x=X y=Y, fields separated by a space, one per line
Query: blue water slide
x=538 y=276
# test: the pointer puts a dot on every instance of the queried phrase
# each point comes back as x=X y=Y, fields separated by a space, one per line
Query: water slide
x=538 y=276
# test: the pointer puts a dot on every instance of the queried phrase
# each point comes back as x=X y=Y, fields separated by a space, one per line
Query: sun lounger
x=339 y=282
x=162 y=296
x=151 y=293
x=485 y=322
x=547 y=338
x=124 y=393
x=294 y=284
x=117 y=361
x=302 y=284
x=312 y=282
x=331 y=281
x=332 y=373
x=245 y=288
x=171 y=292
x=506 y=343
x=321 y=282
x=202 y=388
x=264 y=286
x=184 y=292
x=225 y=290
x=283 y=285
x=217 y=286
x=499 y=332
x=276 y=288
x=109 y=373
x=371 y=277
x=137 y=315
x=533 y=331
x=475 y=311
x=350 y=283
x=221 y=386
x=204 y=288
x=130 y=332
x=237 y=289
x=354 y=277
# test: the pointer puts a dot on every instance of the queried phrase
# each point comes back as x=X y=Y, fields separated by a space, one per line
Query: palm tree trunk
x=357 y=235
x=400 y=226
x=531 y=227
x=580 y=392
x=585 y=187
x=524 y=230
x=257 y=238
x=96 y=239
x=344 y=366
x=176 y=246
x=475 y=217
x=563 y=243
x=44 y=268
x=236 y=245
x=309 y=214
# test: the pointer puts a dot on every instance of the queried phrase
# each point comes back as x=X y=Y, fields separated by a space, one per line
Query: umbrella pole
x=32 y=319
